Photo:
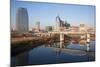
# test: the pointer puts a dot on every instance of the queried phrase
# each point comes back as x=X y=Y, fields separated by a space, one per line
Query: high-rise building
x=61 y=25
x=22 y=20
x=49 y=28
x=57 y=23
x=37 y=26
x=83 y=28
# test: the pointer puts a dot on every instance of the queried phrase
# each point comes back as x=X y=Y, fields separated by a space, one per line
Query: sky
x=46 y=13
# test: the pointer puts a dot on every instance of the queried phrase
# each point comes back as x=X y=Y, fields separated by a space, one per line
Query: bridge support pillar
x=88 y=42
x=61 y=37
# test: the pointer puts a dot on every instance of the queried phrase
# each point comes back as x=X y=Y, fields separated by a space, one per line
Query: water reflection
x=62 y=47
x=58 y=52
x=21 y=59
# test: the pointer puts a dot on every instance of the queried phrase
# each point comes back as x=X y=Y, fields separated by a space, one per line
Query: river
x=55 y=53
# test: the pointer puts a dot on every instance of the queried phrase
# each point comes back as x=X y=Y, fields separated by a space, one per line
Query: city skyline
x=46 y=13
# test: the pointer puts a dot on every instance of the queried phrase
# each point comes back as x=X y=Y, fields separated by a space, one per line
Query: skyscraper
x=38 y=26
x=61 y=25
x=57 y=23
x=22 y=20
x=49 y=28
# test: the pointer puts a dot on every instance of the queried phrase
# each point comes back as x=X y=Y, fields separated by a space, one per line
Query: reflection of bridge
x=69 y=51
x=72 y=51
x=61 y=48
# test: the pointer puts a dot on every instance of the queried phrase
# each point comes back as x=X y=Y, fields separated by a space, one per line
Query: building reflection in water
x=22 y=59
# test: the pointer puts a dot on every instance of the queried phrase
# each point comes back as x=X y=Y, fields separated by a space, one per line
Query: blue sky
x=47 y=12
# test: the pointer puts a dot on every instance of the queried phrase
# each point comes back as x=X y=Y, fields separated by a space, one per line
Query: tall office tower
x=57 y=23
x=38 y=26
x=48 y=28
x=22 y=20
x=82 y=28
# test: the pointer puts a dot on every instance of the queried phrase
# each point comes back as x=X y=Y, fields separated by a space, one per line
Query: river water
x=55 y=53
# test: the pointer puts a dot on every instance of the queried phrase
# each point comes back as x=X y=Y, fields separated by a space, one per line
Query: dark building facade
x=22 y=20
x=61 y=25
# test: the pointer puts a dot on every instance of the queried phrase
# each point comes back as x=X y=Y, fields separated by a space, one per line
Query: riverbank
x=22 y=44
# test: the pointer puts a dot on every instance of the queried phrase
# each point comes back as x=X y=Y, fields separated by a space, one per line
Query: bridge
x=82 y=35
x=85 y=35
